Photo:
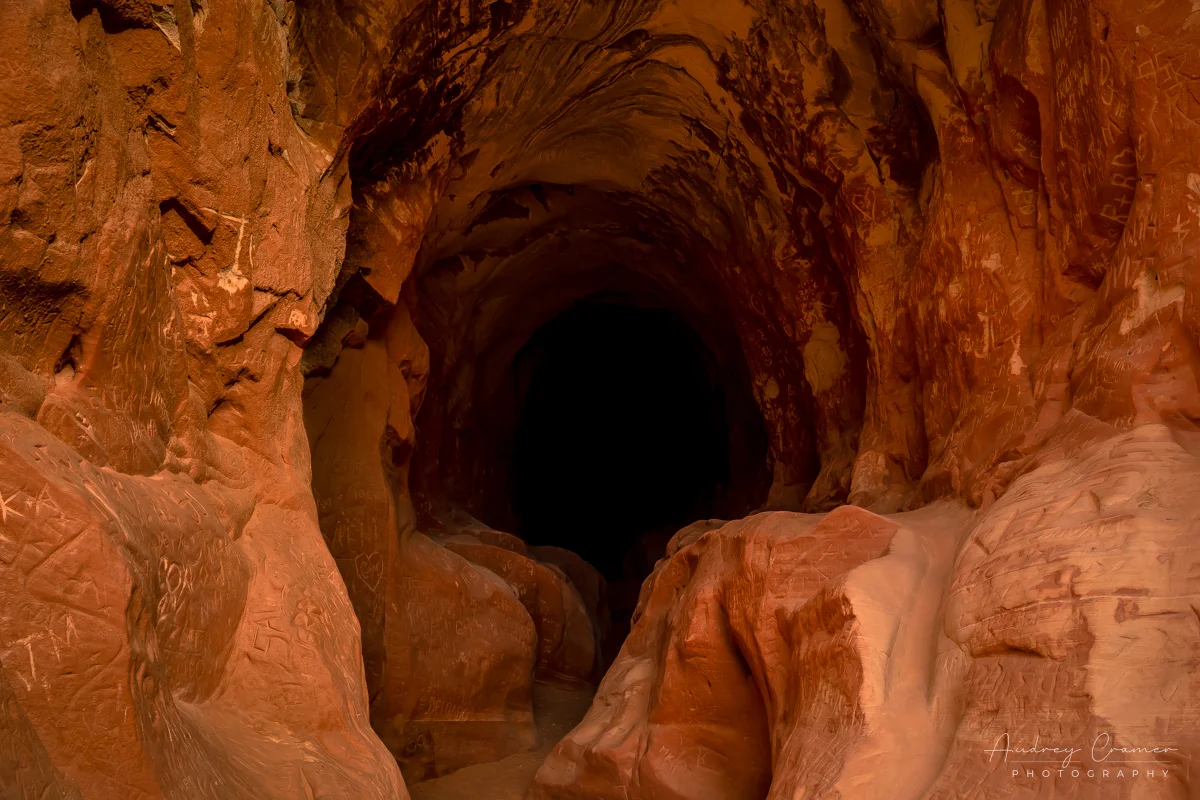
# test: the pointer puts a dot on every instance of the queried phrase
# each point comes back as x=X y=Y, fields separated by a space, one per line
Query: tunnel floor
x=556 y=711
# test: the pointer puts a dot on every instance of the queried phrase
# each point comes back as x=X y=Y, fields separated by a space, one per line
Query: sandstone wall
x=172 y=623
x=263 y=267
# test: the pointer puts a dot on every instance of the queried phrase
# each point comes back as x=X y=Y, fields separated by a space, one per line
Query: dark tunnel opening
x=623 y=437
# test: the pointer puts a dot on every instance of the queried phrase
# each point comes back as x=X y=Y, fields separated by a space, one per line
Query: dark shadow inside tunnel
x=621 y=431
x=623 y=437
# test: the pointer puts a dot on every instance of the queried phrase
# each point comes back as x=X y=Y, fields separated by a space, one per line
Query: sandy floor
x=556 y=710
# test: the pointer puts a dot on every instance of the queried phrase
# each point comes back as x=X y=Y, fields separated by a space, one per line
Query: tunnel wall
x=959 y=238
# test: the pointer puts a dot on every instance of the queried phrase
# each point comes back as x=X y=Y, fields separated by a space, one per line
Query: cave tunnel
x=559 y=289
x=621 y=431
x=601 y=422
x=622 y=437
x=595 y=329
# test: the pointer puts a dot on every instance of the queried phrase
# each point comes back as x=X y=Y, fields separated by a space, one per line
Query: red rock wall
x=263 y=268
x=173 y=624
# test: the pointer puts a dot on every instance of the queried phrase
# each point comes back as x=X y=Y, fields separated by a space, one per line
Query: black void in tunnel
x=622 y=435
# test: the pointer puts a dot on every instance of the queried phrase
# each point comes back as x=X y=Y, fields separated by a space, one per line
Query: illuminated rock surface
x=337 y=339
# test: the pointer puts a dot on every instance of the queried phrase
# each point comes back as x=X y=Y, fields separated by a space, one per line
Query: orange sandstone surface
x=317 y=320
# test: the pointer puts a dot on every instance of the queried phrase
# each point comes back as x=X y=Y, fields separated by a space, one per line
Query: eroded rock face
x=744 y=612
x=172 y=623
x=458 y=687
x=851 y=647
x=454 y=631
x=265 y=270
x=566 y=647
